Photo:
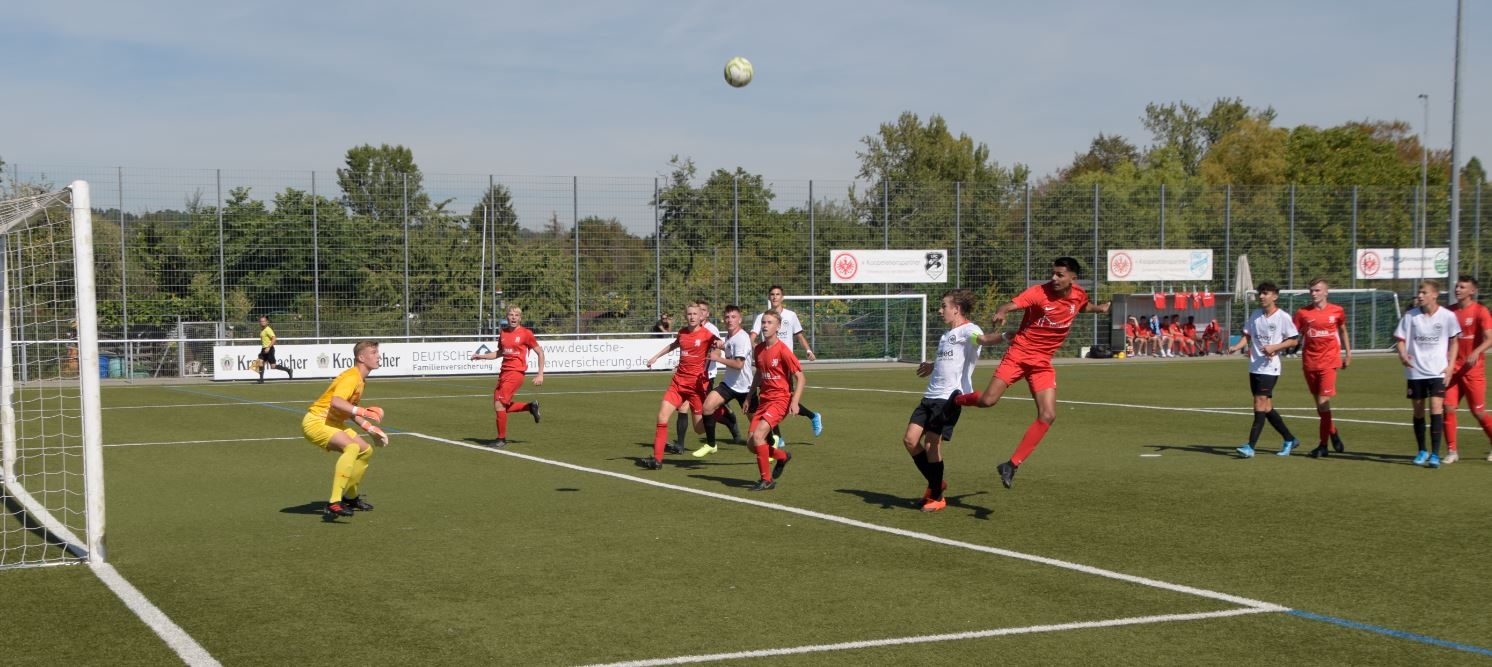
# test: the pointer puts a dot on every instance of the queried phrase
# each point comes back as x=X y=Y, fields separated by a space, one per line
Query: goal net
x=51 y=460
x=1372 y=314
x=872 y=327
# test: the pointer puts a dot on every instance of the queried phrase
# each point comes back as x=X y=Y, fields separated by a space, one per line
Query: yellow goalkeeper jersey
x=348 y=385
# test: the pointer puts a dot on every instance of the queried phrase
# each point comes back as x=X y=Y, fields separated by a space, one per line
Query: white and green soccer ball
x=738 y=71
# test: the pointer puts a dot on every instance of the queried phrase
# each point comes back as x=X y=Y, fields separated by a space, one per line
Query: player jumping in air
x=1470 y=379
x=1426 y=339
x=1267 y=333
x=1323 y=330
x=779 y=386
x=513 y=345
x=1050 y=310
x=690 y=383
x=325 y=425
x=948 y=377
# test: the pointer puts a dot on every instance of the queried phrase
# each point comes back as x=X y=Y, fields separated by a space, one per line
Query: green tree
x=496 y=209
x=377 y=182
x=1186 y=133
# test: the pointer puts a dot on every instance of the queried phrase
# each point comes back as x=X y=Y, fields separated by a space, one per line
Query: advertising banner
x=1391 y=263
x=235 y=362
x=888 y=266
x=1159 y=265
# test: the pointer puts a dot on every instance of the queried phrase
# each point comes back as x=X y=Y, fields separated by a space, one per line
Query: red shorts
x=508 y=383
x=1037 y=371
x=1469 y=385
x=1322 y=382
x=693 y=392
x=771 y=412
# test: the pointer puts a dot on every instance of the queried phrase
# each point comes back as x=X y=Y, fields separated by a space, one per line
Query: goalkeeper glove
x=372 y=412
x=379 y=437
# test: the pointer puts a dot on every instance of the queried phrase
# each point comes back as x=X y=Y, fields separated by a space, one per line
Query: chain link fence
x=328 y=255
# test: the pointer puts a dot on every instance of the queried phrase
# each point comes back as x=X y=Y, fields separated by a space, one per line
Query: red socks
x=518 y=407
x=502 y=425
x=1327 y=428
x=1033 y=437
x=763 y=460
x=660 y=436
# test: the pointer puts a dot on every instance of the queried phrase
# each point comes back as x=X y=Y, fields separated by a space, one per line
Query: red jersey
x=1130 y=330
x=1190 y=329
x=515 y=344
x=775 y=366
x=1475 y=323
x=1318 y=333
x=1048 y=318
x=1211 y=330
x=1160 y=301
x=694 y=351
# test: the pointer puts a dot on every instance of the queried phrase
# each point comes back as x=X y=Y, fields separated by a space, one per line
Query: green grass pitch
x=480 y=557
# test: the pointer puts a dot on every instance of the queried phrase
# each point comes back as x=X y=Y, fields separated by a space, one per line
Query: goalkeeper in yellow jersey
x=325 y=425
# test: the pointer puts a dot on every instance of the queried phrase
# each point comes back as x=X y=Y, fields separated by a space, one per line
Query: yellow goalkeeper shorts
x=318 y=432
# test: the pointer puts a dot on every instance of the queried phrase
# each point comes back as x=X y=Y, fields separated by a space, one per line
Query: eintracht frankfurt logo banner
x=1155 y=265
x=888 y=266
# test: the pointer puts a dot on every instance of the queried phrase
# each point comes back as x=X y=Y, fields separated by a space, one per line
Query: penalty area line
x=180 y=642
x=855 y=523
x=930 y=639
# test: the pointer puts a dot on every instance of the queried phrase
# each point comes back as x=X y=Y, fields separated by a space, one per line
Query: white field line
x=854 y=523
x=389 y=399
x=928 y=639
x=201 y=442
x=182 y=643
x=1246 y=412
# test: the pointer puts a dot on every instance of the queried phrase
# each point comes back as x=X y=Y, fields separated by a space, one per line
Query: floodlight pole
x=1424 y=173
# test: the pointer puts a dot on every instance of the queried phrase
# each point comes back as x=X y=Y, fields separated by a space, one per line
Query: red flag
x=1160 y=301
x=1180 y=301
x=1208 y=300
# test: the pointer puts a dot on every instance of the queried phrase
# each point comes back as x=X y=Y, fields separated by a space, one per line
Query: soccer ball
x=738 y=71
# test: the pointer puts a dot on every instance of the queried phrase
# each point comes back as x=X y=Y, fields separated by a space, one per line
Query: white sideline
x=855 y=523
x=182 y=643
x=928 y=639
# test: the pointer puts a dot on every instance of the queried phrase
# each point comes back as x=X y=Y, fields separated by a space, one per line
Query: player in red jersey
x=690 y=382
x=1323 y=332
x=1212 y=335
x=779 y=386
x=1470 y=379
x=514 y=343
x=1189 y=336
x=1050 y=310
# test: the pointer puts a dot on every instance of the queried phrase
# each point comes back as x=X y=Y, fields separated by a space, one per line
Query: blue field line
x=1400 y=634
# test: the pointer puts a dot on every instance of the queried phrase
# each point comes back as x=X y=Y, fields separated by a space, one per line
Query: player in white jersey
x=950 y=375
x=723 y=415
x=735 y=385
x=1267 y=332
x=1426 y=341
x=791 y=328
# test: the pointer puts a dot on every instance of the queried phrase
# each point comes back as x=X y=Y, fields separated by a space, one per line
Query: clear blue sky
x=616 y=88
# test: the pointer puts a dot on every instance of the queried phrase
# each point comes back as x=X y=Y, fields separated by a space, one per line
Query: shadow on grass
x=308 y=508
x=888 y=501
x=732 y=482
x=1230 y=451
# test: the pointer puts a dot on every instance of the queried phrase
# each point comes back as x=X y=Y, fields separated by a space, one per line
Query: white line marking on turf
x=199 y=442
x=389 y=399
x=855 y=523
x=1244 y=412
x=182 y=643
x=928 y=639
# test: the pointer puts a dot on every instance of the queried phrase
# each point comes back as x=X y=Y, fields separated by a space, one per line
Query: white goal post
x=864 y=327
x=51 y=434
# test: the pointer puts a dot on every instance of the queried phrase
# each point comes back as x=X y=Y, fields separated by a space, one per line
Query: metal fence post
x=222 y=274
x=735 y=234
x=1096 y=283
x=315 y=257
x=1163 y=216
x=124 y=302
x=1354 y=242
x=886 y=289
x=657 y=256
x=813 y=285
x=575 y=225
x=408 y=307
x=958 y=234
x=1290 y=260
x=1027 y=196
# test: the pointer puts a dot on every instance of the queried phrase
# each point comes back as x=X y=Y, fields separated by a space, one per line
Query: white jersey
x=790 y=327
x=954 y=367
x=738 y=347
x=1427 y=340
x=1264 y=330
x=712 y=367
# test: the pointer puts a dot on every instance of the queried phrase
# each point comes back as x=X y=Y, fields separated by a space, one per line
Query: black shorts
x=730 y=394
x=1420 y=390
x=939 y=415
x=1262 y=384
x=267 y=355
